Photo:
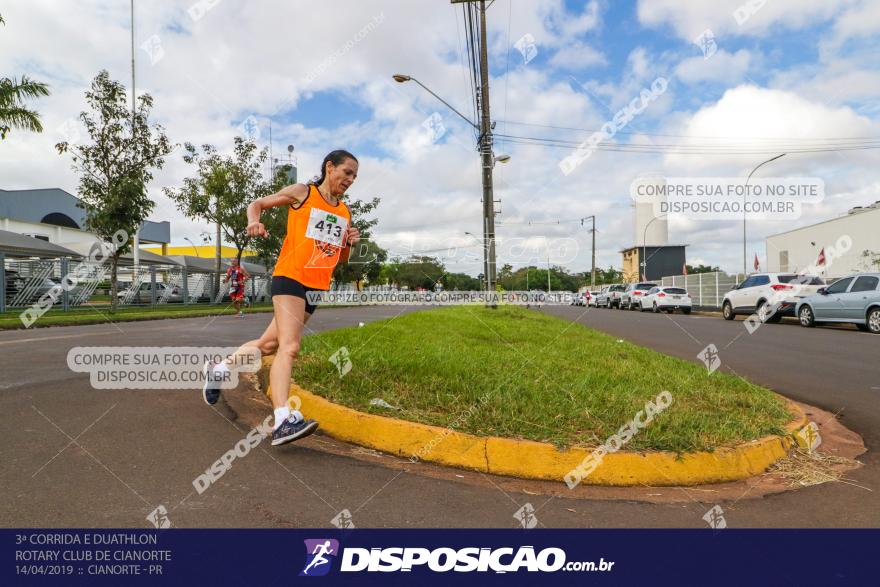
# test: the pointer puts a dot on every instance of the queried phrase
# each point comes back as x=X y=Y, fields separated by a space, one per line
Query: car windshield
x=801 y=279
x=674 y=290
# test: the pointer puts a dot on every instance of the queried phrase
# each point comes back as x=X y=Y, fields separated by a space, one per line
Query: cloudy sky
x=795 y=72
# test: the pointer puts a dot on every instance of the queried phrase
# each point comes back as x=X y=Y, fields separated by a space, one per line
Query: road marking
x=57 y=337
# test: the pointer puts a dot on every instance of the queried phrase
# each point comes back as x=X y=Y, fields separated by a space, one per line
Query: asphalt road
x=75 y=456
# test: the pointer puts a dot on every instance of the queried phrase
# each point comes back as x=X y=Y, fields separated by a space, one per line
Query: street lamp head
x=400 y=78
x=502 y=158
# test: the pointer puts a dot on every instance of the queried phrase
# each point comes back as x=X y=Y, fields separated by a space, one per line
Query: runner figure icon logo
x=320 y=553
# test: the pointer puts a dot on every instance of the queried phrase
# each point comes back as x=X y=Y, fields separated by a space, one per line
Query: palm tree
x=13 y=113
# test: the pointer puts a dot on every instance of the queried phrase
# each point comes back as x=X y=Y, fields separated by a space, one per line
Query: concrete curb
x=536 y=460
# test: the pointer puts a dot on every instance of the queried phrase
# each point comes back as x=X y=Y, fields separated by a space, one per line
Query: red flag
x=757 y=264
x=820 y=262
x=684 y=269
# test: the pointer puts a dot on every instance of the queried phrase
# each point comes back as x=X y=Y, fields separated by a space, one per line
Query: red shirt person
x=236 y=276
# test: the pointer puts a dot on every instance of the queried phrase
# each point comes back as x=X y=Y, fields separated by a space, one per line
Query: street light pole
x=195 y=248
x=593 y=270
x=485 y=145
x=745 y=193
x=645 y=247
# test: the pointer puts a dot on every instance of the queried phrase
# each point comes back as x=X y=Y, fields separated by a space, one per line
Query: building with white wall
x=797 y=249
x=52 y=215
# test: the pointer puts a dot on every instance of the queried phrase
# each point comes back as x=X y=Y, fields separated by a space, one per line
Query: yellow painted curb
x=537 y=460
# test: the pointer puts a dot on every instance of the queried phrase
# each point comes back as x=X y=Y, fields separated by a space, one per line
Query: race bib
x=326 y=227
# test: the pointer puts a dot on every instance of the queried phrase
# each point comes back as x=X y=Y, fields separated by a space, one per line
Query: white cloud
x=246 y=58
x=577 y=56
x=721 y=67
x=689 y=18
x=862 y=20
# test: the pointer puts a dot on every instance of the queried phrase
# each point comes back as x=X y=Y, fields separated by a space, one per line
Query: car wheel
x=771 y=317
x=727 y=311
x=764 y=312
x=656 y=310
x=805 y=316
x=874 y=321
x=641 y=307
x=685 y=310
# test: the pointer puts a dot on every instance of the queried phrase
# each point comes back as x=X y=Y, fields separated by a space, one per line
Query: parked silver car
x=144 y=294
x=854 y=299
x=610 y=297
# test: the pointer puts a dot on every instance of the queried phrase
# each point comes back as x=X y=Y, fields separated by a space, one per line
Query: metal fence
x=706 y=289
x=24 y=282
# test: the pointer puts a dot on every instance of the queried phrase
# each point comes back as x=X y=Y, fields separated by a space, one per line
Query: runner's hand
x=352 y=236
x=256 y=229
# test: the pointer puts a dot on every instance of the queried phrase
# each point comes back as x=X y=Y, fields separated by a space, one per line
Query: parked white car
x=854 y=299
x=594 y=295
x=629 y=299
x=668 y=299
x=769 y=295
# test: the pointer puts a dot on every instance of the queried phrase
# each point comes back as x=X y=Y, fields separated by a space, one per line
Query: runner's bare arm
x=292 y=194
x=352 y=236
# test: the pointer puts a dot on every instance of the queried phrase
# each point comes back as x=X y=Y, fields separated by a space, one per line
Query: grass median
x=542 y=378
x=100 y=314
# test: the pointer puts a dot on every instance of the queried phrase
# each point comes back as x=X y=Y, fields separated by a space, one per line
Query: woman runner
x=319 y=236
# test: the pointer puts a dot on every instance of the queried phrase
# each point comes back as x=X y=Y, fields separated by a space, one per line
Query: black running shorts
x=285 y=286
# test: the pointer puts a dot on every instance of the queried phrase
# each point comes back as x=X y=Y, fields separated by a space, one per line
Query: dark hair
x=337 y=157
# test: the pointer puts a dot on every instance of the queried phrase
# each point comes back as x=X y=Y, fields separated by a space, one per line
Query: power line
x=626 y=132
x=690 y=149
x=546 y=222
x=843 y=143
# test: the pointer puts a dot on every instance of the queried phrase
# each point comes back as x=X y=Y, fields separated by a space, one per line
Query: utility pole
x=217 y=252
x=548 y=271
x=136 y=249
x=488 y=161
x=593 y=271
x=486 y=150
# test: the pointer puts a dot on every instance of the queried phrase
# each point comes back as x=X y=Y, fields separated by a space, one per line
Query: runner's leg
x=290 y=424
x=289 y=320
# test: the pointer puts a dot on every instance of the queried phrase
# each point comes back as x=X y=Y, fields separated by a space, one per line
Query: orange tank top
x=315 y=238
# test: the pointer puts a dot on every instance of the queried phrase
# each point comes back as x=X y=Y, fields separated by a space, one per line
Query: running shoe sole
x=209 y=367
x=308 y=430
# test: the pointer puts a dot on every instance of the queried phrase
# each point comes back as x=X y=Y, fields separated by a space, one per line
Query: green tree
x=461 y=282
x=275 y=220
x=367 y=257
x=222 y=188
x=389 y=274
x=364 y=263
x=14 y=93
x=870 y=260
x=116 y=166
x=420 y=272
x=610 y=275
x=695 y=269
